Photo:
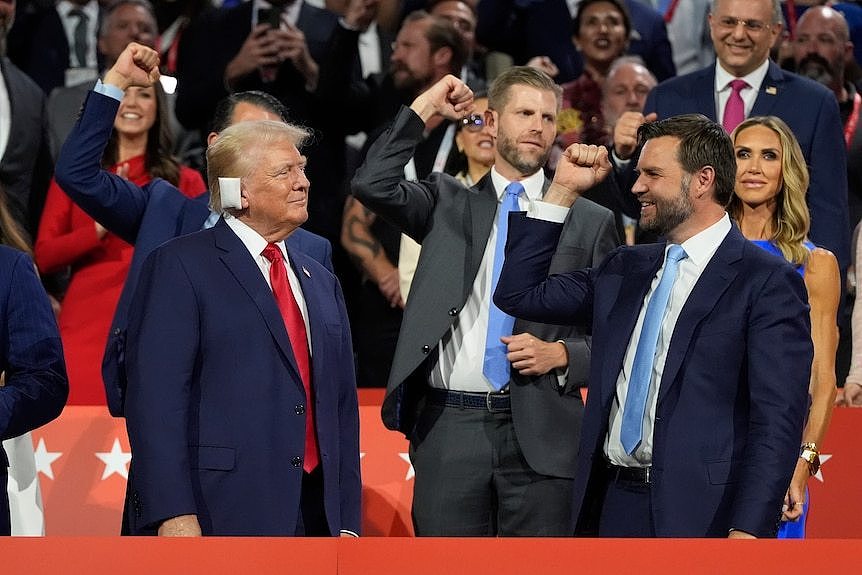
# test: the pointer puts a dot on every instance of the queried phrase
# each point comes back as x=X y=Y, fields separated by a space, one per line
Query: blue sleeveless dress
x=790 y=529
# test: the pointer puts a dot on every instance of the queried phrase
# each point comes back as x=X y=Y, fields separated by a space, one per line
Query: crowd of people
x=335 y=192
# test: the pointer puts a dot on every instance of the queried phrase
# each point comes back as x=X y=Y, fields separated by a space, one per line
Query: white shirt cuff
x=549 y=212
x=349 y=532
x=108 y=90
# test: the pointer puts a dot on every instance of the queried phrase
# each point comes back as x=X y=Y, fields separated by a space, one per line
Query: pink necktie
x=734 y=110
x=296 y=333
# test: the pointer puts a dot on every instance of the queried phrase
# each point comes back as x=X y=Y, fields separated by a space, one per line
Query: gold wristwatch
x=811 y=455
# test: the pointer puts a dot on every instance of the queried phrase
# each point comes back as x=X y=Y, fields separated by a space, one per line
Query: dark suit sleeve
x=350 y=481
x=380 y=185
x=659 y=59
x=827 y=191
x=112 y=201
x=779 y=366
x=163 y=345
x=579 y=348
x=526 y=291
x=36 y=387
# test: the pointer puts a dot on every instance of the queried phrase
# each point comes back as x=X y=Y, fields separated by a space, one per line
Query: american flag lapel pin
x=771 y=90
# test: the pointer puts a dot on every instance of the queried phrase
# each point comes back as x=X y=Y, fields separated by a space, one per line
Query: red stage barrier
x=395 y=556
x=83 y=458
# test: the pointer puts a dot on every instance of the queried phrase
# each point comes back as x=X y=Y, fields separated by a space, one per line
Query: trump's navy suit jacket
x=145 y=217
x=216 y=408
x=811 y=111
x=31 y=358
x=733 y=394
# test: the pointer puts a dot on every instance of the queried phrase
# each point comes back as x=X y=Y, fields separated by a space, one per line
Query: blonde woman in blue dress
x=769 y=207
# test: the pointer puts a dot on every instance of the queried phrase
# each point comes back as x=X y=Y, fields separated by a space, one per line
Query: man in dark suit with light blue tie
x=241 y=407
x=743 y=31
x=701 y=348
x=33 y=374
x=149 y=216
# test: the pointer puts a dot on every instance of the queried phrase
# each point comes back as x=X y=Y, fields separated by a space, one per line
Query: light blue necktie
x=496 y=366
x=642 y=368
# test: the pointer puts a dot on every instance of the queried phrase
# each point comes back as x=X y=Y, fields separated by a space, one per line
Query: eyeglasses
x=730 y=23
x=472 y=123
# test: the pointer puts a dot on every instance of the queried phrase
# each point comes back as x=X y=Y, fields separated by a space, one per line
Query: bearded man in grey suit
x=493 y=451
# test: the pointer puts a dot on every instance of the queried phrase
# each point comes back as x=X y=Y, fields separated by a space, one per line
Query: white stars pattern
x=45 y=458
x=115 y=461
x=819 y=475
x=410 y=472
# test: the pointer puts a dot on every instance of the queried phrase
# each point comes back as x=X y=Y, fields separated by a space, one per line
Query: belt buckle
x=488 y=397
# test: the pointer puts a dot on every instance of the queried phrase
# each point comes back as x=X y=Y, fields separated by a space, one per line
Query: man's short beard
x=671 y=213
x=509 y=151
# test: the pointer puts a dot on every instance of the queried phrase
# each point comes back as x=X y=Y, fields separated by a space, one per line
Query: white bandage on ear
x=229 y=192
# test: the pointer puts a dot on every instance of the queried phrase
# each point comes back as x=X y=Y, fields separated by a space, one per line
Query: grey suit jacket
x=453 y=224
x=26 y=166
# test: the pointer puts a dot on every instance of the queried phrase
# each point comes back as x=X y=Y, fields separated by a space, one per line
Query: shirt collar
x=701 y=246
x=532 y=184
x=253 y=241
x=91 y=9
x=723 y=78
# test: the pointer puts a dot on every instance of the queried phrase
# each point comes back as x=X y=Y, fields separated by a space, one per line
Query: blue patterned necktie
x=495 y=365
x=642 y=368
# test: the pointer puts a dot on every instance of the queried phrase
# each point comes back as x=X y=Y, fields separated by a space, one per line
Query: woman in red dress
x=139 y=150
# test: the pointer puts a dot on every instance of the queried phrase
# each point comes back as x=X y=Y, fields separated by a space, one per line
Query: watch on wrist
x=811 y=455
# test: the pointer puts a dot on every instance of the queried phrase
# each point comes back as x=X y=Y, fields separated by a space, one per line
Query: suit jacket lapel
x=713 y=282
x=240 y=264
x=482 y=204
x=642 y=266
x=704 y=92
x=767 y=95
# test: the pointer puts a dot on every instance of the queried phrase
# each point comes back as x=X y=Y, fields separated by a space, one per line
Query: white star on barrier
x=410 y=472
x=45 y=458
x=819 y=475
x=115 y=461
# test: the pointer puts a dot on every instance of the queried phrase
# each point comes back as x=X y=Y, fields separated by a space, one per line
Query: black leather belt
x=491 y=401
x=639 y=475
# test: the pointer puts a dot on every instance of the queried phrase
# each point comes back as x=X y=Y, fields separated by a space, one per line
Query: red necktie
x=734 y=110
x=298 y=341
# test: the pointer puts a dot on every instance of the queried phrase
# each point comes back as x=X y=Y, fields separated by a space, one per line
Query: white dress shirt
x=723 y=78
x=255 y=245
x=462 y=349
x=700 y=248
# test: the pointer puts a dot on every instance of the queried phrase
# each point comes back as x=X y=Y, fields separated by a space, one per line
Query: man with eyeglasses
x=743 y=83
x=491 y=404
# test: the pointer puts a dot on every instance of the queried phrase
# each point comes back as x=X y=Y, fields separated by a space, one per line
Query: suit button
x=299 y=409
x=117 y=331
x=426 y=349
x=453 y=312
x=296 y=461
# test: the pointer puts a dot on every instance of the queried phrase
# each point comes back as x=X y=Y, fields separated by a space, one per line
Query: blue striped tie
x=642 y=367
x=496 y=365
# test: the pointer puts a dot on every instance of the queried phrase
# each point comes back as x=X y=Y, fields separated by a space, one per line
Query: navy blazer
x=811 y=111
x=733 y=394
x=145 y=217
x=216 y=408
x=31 y=357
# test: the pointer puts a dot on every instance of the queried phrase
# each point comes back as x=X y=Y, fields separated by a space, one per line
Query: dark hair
x=627 y=20
x=441 y=33
x=113 y=6
x=224 y=110
x=498 y=93
x=702 y=143
x=159 y=161
x=11 y=233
